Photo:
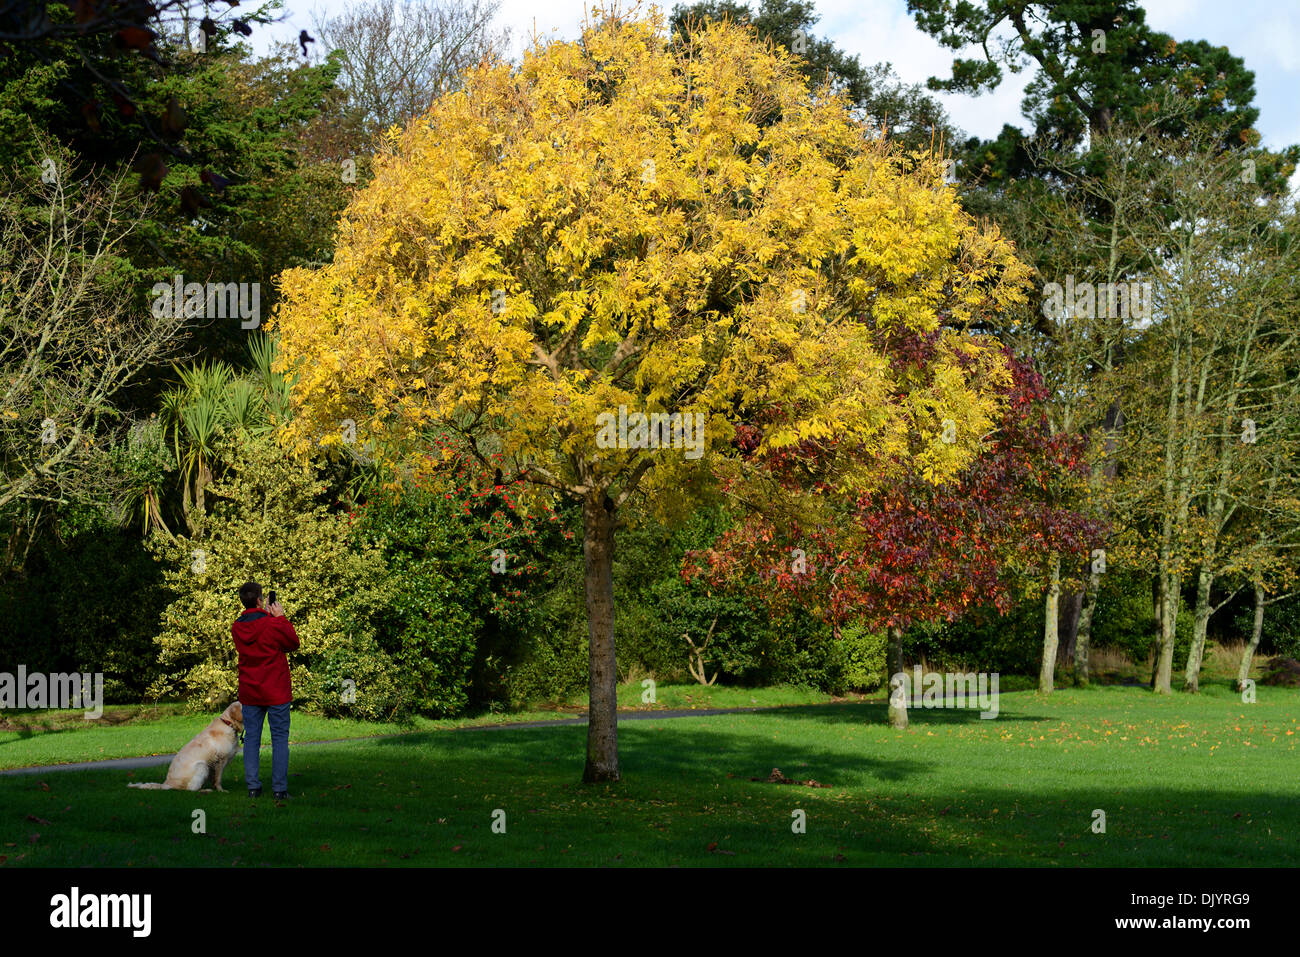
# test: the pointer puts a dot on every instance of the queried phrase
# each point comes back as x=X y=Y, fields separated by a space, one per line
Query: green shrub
x=266 y=524
x=88 y=600
x=1123 y=618
x=982 y=640
x=455 y=643
x=863 y=654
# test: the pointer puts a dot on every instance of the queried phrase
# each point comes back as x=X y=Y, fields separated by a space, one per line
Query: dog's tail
x=151 y=786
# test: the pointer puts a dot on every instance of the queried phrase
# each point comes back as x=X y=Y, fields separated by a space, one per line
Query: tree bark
x=1200 y=623
x=894 y=665
x=1169 y=594
x=1157 y=602
x=1256 y=631
x=602 y=718
x=1047 y=674
x=1067 y=624
x=1083 y=640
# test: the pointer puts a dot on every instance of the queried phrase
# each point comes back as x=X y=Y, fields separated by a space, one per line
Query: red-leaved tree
x=911 y=551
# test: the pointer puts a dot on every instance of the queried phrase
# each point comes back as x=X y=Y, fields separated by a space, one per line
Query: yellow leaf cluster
x=669 y=226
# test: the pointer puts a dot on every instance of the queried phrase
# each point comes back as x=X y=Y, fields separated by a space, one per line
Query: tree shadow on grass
x=736 y=746
x=686 y=799
x=876 y=713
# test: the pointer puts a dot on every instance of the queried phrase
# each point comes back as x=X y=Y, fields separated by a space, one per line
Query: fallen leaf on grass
x=776 y=777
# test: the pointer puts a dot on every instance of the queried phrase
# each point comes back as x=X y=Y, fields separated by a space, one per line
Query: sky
x=1265 y=33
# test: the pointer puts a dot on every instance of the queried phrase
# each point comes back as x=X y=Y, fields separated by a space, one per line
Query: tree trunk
x=1067 y=624
x=1083 y=640
x=1168 y=632
x=894 y=665
x=1200 y=623
x=1257 y=630
x=1047 y=674
x=1157 y=602
x=602 y=717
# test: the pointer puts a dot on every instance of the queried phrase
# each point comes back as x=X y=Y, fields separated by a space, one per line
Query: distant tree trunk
x=1200 y=624
x=602 y=718
x=1047 y=674
x=1168 y=633
x=1083 y=641
x=1077 y=605
x=894 y=659
x=1256 y=631
x=1067 y=624
x=1157 y=603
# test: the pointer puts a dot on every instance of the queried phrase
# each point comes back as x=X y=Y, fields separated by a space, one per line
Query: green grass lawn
x=125 y=731
x=1184 y=780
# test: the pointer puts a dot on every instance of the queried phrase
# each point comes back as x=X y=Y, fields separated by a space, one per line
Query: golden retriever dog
x=209 y=753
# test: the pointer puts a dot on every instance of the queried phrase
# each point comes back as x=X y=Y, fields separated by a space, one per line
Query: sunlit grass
x=1182 y=779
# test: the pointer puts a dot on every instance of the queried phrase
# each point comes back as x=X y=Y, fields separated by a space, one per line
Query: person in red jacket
x=262 y=636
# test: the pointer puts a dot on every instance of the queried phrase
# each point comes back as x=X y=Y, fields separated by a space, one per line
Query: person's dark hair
x=249 y=593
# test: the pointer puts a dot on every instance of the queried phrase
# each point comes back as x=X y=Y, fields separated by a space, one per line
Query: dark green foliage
x=1098 y=63
x=983 y=640
x=88 y=601
x=546 y=656
x=1123 y=618
x=1281 y=634
x=452 y=618
x=657 y=608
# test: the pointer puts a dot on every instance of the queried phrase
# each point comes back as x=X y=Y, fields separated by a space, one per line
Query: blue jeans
x=277 y=715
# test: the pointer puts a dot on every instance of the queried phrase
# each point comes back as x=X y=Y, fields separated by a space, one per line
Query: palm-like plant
x=143 y=461
x=212 y=398
x=193 y=416
x=274 y=386
x=244 y=406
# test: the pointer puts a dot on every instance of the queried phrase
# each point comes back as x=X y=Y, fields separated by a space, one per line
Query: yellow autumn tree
x=636 y=225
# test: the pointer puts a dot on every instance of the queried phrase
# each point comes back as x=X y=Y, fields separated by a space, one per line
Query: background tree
x=912 y=551
x=69 y=343
x=106 y=56
x=1097 y=62
x=1219 y=347
x=397 y=57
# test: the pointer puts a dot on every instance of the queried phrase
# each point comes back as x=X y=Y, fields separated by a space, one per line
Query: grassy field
x=1184 y=780
x=124 y=731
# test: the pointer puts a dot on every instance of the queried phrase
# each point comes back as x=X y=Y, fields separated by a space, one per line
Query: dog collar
x=239 y=734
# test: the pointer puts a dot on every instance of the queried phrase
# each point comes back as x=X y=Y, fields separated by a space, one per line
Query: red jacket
x=262 y=640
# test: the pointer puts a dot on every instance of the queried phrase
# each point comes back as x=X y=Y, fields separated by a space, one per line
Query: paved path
x=157 y=759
